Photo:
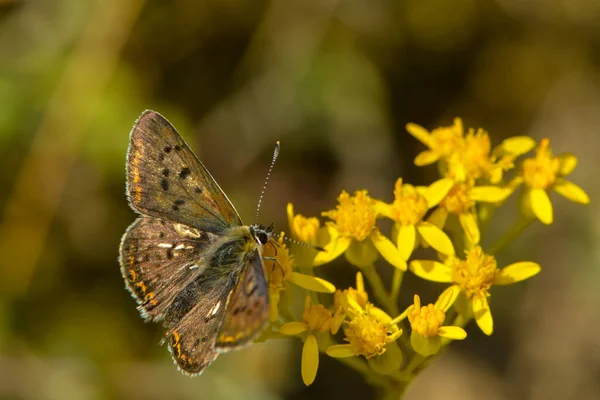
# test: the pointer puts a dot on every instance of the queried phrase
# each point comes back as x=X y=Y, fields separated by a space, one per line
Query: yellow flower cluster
x=450 y=217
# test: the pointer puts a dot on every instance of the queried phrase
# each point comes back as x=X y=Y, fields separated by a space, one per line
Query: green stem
x=414 y=362
x=363 y=368
x=396 y=284
x=379 y=290
x=514 y=231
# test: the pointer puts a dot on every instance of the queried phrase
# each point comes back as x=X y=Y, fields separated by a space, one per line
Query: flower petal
x=388 y=251
x=407 y=236
x=447 y=298
x=421 y=134
x=568 y=162
x=437 y=191
x=380 y=315
x=452 y=332
x=290 y=215
x=516 y=272
x=438 y=217
x=436 y=238
x=340 y=351
x=517 y=145
x=332 y=250
x=490 y=194
x=383 y=209
x=293 y=328
x=571 y=191
x=312 y=283
x=426 y=157
x=483 y=315
x=468 y=221
x=541 y=205
x=310 y=360
x=431 y=270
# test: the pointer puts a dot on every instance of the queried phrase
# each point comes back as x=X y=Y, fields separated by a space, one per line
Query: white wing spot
x=165 y=245
x=215 y=308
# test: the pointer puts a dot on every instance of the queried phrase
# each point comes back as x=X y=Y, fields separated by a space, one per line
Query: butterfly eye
x=262 y=237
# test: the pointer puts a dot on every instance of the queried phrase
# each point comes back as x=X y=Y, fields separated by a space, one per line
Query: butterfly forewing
x=247 y=306
x=158 y=258
x=166 y=180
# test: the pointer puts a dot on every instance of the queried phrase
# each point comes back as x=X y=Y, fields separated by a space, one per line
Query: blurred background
x=335 y=81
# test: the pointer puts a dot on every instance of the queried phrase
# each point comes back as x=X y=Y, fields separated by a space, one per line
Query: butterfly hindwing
x=157 y=259
x=198 y=311
x=247 y=306
x=166 y=180
x=197 y=314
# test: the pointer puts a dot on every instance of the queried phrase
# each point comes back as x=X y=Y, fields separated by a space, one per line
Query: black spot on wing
x=164 y=184
x=184 y=173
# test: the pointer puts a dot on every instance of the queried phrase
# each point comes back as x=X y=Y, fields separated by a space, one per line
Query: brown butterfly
x=188 y=260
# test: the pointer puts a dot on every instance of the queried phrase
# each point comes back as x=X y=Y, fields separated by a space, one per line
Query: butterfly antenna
x=303 y=244
x=275 y=155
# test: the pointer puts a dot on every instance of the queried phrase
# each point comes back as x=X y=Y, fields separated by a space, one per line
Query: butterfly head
x=261 y=234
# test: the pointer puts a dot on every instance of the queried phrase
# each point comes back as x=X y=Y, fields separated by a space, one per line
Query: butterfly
x=188 y=260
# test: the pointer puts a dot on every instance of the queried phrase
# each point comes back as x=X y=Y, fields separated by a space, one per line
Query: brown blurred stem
x=43 y=176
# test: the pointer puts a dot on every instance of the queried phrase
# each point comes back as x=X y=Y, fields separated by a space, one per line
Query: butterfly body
x=188 y=260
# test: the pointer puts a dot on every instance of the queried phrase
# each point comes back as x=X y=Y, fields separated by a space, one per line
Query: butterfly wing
x=157 y=259
x=166 y=180
x=247 y=306
x=195 y=316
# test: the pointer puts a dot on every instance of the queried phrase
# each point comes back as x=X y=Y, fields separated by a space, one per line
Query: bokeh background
x=335 y=81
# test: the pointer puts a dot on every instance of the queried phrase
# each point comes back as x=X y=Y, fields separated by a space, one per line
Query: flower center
x=540 y=171
x=278 y=272
x=457 y=201
x=354 y=216
x=305 y=229
x=316 y=317
x=409 y=207
x=475 y=274
x=425 y=320
x=476 y=153
x=367 y=336
x=447 y=139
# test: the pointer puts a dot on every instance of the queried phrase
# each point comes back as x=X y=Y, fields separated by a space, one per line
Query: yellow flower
x=352 y=231
x=302 y=228
x=279 y=271
x=460 y=201
x=474 y=159
x=543 y=173
x=427 y=323
x=442 y=141
x=352 y=300
x=370 y=333
x=408 y=209
x=316 y=321
x=473 y=277
x=468 y=158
